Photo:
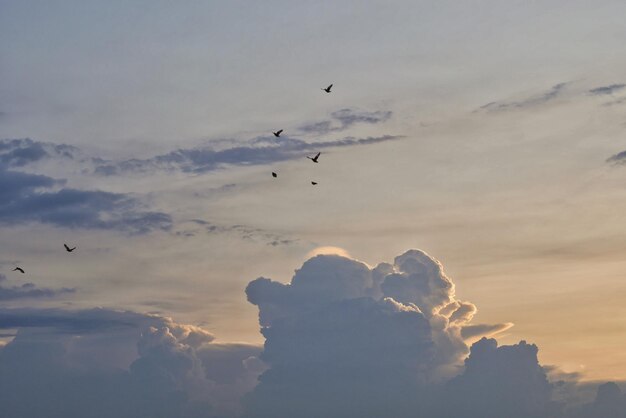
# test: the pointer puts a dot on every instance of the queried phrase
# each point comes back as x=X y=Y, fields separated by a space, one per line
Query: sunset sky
x=486 y=134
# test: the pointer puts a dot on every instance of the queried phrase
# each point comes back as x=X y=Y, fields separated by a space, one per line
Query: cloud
x=103 y=363
x=342 y=339
x=554 y=92
x=342 y=331
x=245 y=232
x=501 y=381
x=21 y=152
x=32 y=198
x=262 y=150
x=473 y=331
x=343 y=119
x=259 y=151
x=29 y=291
x=609 y=402
x=604 y=90
x=345 y=340
x=619 y=158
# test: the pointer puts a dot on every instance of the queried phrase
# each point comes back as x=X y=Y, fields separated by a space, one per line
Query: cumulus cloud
x=26 y=197
x=345 y=118
x=342 y=331
x=342 y=339
x=104 y=363
x=501 y=382
x=554 y=92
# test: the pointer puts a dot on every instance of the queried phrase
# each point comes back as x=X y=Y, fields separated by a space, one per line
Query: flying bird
x=313 y=183
x=68 y=249
x=274 y=174
x=327 y=89
x=277 y=133
x=314 y=159
x=21 y=270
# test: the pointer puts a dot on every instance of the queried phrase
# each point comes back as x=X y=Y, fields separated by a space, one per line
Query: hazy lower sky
x=480 y=132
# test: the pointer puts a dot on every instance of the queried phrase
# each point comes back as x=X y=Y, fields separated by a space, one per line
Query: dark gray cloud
x=21 y=152
x=29 y=291
x=604 y=90
x=32 y=198
x=501 y=382
x=619 y=158
x=545 y=97
x=263 y=150
x=105 y=363
x=73 y=322
x=343 y=119
x=257 y=151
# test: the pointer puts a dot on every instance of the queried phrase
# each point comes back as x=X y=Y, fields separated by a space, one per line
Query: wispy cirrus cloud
x=536 y=100
x=617 y=159
x=343 y=119
x=245 y=232
x=259 y=151
x=605 y=90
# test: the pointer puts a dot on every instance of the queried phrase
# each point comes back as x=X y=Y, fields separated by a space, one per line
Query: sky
x=488 y=135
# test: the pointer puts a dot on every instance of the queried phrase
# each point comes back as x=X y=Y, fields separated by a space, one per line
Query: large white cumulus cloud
x=344 y=339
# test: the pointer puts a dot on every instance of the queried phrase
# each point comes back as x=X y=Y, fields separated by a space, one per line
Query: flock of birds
x=274 y=174
x=317 y=156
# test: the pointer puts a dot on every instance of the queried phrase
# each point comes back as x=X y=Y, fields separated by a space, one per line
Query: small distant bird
x=68 y=249
x=327 y=89
x=21 y=270
x=314 y=159
x=313 y=183
x=274 y=174
x=277 y=133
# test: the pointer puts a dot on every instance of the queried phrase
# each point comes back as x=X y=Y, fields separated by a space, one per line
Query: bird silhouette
x=277 y=133
x=314 y=159
x=21 y=270
x=274 y=174
x=313 y=183
x=327 y=89
x=68 y=249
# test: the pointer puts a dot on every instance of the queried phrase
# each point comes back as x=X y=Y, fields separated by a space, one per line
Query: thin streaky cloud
x=547 y=96
x=343 y=119
x=261 y=151
x=604 y=90
x=617 y=159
